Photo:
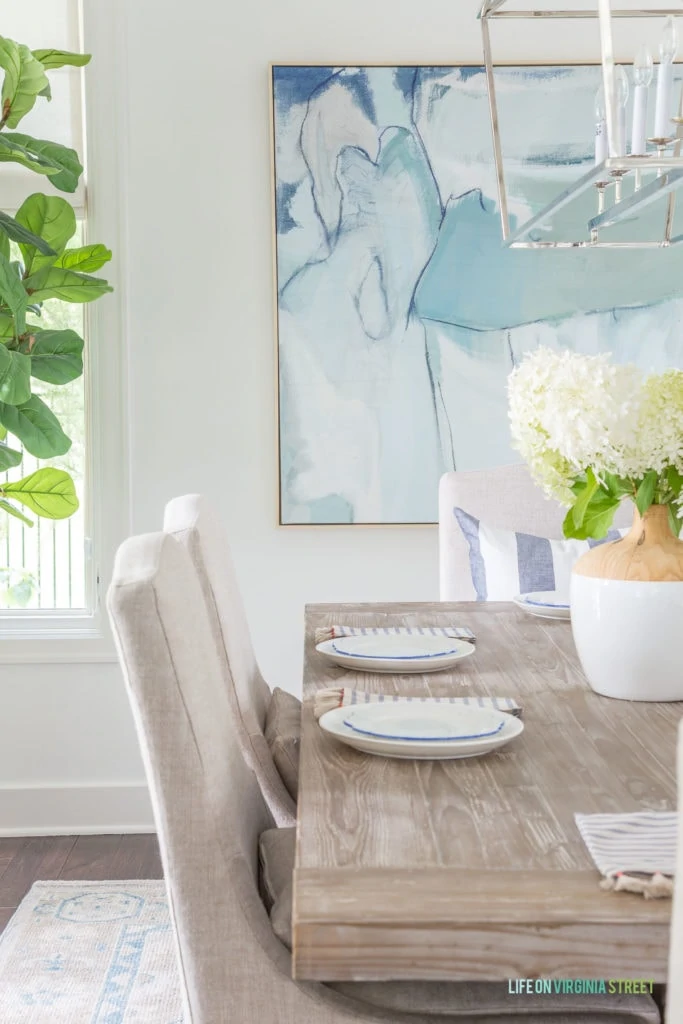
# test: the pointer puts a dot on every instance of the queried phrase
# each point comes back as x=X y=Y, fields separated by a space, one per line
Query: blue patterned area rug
x=90 y=953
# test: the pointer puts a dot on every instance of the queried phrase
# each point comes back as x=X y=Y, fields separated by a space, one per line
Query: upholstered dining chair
x=193 y=520
x=506 y=498
x=675 y=986
x=210 y=812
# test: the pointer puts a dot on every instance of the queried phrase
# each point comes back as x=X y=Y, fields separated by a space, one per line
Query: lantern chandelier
x=628 y=175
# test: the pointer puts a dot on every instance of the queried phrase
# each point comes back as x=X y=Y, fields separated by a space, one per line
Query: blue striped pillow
x=504 y=564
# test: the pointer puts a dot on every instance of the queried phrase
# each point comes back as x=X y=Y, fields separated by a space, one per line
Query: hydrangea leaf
x=646 y=491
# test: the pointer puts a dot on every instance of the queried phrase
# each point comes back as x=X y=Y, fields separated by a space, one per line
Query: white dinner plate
x=394 y=646
x=423 y=750
x=421 y=720
x=427 y=662
x=545 y=604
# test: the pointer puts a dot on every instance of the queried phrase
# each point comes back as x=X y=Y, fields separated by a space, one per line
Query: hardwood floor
x=42 y=858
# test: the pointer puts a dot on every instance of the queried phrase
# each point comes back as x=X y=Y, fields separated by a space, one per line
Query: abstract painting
x=399 y=312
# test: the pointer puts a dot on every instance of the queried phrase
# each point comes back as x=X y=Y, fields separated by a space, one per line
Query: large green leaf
x=10 y=152
x=53 y=219
x=56 y=356
x=597 y=519
x=646 y=491
x=9 y=458
x=51 y=59
x=11 y=228
x=86 y=259
x=48 y=492
x=675 y=519
x=66 y=285
x=13 y=511
x=616 y=486
x=36 y=427
x=25 y=79
x=13 y=294
x=675 y=481
x=15 y=377
x=66 y=167
x=584 y=497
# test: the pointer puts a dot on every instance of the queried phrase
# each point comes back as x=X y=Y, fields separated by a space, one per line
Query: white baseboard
x=62 y=810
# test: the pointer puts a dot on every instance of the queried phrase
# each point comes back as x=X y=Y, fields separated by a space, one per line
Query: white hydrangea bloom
x=569 y=412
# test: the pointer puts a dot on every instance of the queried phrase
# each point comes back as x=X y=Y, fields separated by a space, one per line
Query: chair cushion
x=504 y=564
x=276 y=862
x=470 y=1000
x=283 y=735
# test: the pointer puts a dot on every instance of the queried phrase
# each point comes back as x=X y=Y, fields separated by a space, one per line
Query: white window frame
x=50 y=636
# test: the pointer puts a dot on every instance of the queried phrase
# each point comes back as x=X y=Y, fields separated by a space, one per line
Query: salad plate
x=545 y=604
x=419 y=720
x=334 y=723
x=395 y=654
x=400 y=647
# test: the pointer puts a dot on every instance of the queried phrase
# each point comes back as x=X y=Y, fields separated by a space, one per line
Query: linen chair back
x=193 y=520
x=208 y=807
x=506 y=498
x=675 y=983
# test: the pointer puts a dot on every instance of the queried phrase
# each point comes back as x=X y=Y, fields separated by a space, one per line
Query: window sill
x=54 y=639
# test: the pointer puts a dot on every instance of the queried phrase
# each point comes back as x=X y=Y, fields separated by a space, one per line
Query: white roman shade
x=46 y=24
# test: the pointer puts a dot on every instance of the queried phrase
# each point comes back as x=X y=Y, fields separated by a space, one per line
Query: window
x=49 y=566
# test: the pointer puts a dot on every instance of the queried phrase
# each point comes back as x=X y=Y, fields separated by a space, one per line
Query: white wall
x=200 y=352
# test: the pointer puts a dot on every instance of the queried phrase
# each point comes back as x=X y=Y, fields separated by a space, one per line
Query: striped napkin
x=454 y=632
x=634 y=852
x=343 y=696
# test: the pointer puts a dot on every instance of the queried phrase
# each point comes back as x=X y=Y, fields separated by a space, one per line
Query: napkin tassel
x=327 y=700
x=652 y=887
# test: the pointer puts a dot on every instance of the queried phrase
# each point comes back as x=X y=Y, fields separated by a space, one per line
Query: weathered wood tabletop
x=474 y=869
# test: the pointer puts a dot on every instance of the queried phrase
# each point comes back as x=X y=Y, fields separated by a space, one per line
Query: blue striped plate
x=547 y=604
x=395 y=646
x=420 y=722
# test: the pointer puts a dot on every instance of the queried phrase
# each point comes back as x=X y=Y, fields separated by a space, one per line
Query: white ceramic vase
x=629 y=636
x=627 y=613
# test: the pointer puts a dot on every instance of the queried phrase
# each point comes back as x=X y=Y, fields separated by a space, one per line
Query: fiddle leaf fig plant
x=37 y=265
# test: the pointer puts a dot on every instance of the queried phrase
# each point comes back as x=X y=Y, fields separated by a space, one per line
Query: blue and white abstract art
x=400 y=314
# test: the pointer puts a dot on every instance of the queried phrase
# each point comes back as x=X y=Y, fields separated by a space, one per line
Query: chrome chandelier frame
x=608 y=177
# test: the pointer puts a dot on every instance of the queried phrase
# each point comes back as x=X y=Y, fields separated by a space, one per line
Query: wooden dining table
x=474 y=868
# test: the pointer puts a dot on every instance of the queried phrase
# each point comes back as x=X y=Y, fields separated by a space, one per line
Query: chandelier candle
x=665 y=77
x=601 y=151
x=622 y=87
x=642 y=78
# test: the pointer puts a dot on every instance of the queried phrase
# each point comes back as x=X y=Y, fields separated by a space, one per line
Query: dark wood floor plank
x=136 y=857
x=91 y=858
x=9 y=848
x=5 y=915
x=42 y=857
